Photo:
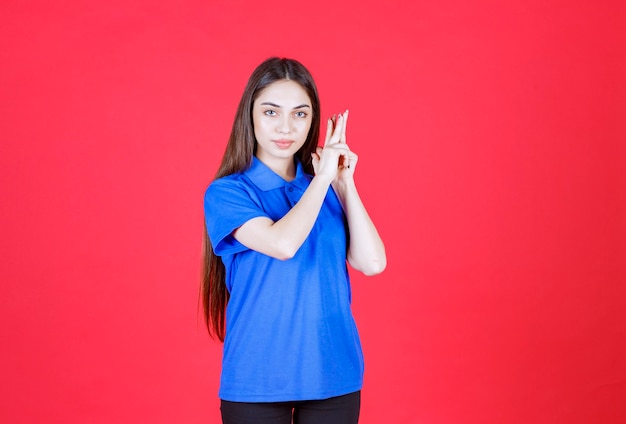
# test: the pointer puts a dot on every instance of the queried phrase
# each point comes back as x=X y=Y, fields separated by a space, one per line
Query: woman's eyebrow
x=277 y=106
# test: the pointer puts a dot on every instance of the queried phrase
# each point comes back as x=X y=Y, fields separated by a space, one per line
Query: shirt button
x=290 y=189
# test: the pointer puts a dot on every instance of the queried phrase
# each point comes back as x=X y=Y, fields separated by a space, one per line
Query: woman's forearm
x=366 y=252
x=282 y=239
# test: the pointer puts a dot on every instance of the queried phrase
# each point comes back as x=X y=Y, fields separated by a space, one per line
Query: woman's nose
x=284 y=125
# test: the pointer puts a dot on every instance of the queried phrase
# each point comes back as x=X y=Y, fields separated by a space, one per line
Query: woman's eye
x=300 y=114
x=270 y=112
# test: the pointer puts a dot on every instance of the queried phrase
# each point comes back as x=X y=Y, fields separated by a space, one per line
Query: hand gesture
x=335 y=160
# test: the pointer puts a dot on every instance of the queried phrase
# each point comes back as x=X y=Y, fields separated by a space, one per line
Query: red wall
x=491 y=137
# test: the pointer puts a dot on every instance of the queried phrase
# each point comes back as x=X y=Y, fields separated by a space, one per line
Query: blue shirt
x=290 y=334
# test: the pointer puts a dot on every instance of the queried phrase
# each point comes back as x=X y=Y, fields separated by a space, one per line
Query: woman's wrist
x=322 y=180
x=344 y=186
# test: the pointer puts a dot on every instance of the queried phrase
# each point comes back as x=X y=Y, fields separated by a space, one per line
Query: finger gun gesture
x=335 y=159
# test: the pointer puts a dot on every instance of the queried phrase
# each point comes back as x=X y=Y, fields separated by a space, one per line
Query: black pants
x=337 y=410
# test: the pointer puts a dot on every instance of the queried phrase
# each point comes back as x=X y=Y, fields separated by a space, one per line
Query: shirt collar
x=266 y=179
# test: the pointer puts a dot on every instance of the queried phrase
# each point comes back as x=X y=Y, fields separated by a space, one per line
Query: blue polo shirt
x=290 y=334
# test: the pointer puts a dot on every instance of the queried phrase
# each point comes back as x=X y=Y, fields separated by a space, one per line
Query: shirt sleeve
x=227 y=206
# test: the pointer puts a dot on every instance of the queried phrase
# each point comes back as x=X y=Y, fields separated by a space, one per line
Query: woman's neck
x=283 y=167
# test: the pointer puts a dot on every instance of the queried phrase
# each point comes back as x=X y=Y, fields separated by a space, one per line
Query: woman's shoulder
x=228 y=184
x=231 y=179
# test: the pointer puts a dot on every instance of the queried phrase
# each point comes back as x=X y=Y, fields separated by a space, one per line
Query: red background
x=492 y=149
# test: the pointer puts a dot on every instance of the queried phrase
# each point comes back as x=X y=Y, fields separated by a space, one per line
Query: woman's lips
x=283 y=144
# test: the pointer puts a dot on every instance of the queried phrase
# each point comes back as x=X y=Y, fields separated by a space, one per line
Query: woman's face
x=282 y=115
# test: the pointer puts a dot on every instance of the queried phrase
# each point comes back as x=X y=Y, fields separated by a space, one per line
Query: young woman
x=283 y=217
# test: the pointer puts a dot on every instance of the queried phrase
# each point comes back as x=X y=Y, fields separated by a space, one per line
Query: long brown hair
x=237 y=158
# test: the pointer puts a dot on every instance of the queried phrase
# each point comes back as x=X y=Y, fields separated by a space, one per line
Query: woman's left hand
x=336 y=140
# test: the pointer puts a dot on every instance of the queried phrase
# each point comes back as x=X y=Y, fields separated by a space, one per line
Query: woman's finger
x=342 y=138
x=352 y=160
x=315 y=161
x=339 y=122
x=329 y=130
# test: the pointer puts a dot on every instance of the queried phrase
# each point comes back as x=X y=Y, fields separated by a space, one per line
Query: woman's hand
x=335 y=160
